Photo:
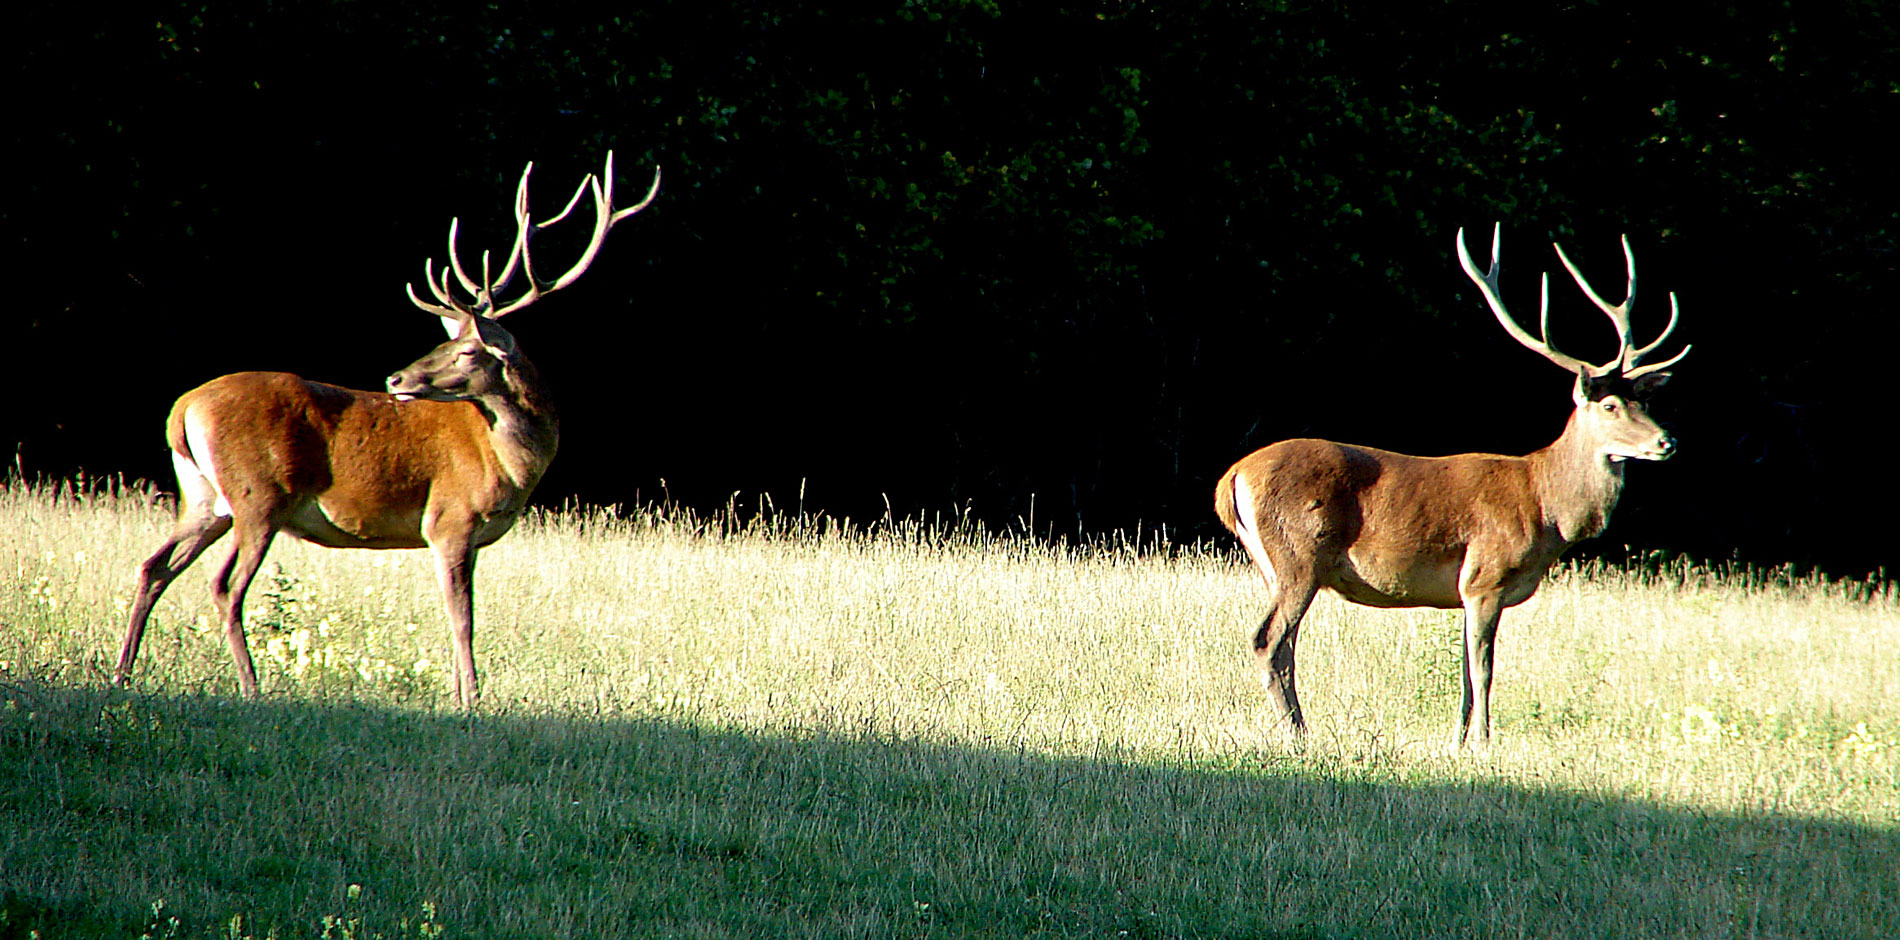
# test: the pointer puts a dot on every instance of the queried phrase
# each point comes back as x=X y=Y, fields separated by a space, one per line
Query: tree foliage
x=967 y=252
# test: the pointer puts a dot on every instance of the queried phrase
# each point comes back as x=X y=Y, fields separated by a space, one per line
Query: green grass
x=800 y=728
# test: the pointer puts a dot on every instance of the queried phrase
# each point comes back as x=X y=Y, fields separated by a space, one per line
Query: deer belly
x=1374 y=581
x=494 y=527
x=339 y=527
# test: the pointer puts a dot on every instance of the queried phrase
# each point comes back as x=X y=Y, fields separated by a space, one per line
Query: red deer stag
x=446 y=459
x=1475 y=531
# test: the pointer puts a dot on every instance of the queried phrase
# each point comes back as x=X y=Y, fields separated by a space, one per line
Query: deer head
x=1609 y=398
x=480 y=356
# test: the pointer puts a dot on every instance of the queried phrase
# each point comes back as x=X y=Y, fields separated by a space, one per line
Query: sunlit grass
x=769 y=701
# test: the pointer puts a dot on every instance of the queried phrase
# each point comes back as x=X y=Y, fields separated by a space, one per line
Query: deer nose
x=1667 y=445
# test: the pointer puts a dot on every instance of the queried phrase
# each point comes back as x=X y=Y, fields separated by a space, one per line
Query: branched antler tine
x=438 y=310
x=1629 y=265
x=520 y=245
x=1543 y=308
x=439 y=286
x=534 y=283
x=1488 y=285
x=1657 y=366
x=623 y=213
x=485 y=300
x=524 y=249
x=571 y=203
x=1636 y=355
x=428 y=278
x=533 y=294
x=1616 y=312
x=450 y=307
x=448 y=295
x=516 y=252
x=1653 y=367
x=455 y=261
x=1619 y=314
x=525 y=227
x=652 y=191
x=603 y=218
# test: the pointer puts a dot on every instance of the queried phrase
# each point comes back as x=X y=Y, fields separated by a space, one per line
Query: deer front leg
x=455 y=574
x=1480 y=642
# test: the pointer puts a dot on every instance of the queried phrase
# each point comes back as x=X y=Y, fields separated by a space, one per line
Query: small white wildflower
x=300 y=644
x=1699 y=725
x=1861 y=743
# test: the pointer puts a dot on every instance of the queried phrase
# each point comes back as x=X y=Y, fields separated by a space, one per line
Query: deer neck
x=523 y=427
x=1577 y=486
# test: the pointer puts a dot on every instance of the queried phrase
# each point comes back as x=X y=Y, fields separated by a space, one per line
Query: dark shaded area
x=927 y=253
x=610 y=828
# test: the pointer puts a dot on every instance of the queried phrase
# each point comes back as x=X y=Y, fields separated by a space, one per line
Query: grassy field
x=803 y=729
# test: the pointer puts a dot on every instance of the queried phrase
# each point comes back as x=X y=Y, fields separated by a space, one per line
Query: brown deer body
x=1471 y=531
x=446 y=459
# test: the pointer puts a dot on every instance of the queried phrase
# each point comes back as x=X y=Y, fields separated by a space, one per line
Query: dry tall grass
x=1684 y=693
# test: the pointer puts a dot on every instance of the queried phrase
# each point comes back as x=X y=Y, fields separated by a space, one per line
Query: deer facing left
x=445 y=459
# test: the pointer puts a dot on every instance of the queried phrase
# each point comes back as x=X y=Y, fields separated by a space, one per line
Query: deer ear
x=1583 y=392
x=1645 y=384
x=499 y=342
x=455 y=326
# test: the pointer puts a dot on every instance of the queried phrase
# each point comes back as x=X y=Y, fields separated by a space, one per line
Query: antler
x=1488 y=283
x=1627 y=356
x=484 y=292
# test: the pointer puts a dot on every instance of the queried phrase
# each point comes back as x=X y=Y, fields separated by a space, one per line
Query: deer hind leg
x=197 y=528
x=227 y=592
x=1482 y=613
x=1291 y=585
x=203 y=518
x=1275 y=642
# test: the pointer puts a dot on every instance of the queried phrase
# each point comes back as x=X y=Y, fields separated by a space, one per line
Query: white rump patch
x=197 y=477
x=1244 y=526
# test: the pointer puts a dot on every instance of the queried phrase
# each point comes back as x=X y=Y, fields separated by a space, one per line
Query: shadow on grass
x=518 y=825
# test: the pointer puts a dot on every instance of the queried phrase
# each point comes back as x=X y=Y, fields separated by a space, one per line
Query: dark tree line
x=960 y=253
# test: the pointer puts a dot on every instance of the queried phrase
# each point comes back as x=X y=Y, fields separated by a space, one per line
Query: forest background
x=1051 y=265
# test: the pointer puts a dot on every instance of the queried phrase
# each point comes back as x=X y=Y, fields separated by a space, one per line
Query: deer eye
x=1609 y=406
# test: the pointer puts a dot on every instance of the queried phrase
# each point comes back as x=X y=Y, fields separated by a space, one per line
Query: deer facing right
x=1471 y=531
